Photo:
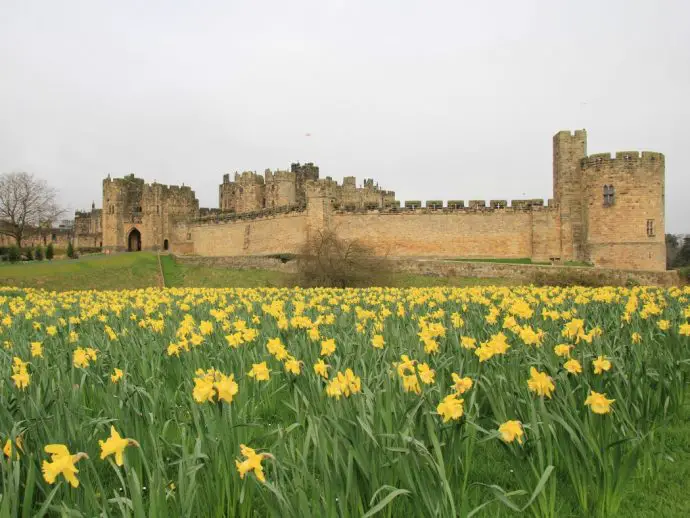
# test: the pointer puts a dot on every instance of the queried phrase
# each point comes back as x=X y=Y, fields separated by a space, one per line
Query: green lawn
x=501 y=260
x=98 y=272
x=140 y=270
x=179 y=275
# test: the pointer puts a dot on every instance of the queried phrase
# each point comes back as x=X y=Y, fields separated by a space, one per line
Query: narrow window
x=609 y=195
x=650 y=228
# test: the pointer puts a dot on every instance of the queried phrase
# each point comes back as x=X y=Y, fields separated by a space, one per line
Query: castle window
x=609 y=195
x=650 y=228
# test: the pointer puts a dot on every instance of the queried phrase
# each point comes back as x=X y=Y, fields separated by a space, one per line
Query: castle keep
x=606 y=210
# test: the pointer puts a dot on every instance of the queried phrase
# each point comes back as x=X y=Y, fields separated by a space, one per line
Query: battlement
x=248 y=178
x=308 y=170
x=210 y=216
x=621 y=157
x=124 y=181
x=567 y=134
x=131 y=182
x=323 y=187
x=453 y=207
x=279 y=176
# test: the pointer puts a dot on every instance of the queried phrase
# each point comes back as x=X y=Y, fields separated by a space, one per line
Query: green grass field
x=98 y=272
x=140 y=270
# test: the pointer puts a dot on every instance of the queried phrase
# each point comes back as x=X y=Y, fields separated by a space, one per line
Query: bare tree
x=26 y=203
x=330 y=261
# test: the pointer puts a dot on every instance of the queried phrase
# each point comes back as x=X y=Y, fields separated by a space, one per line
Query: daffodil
x=251 y=462
x=378 y=342
x=62 y=462
x=293 y=366
x=461 y=385
x=562 y=350
x=540 y=383
x=259 y=372
x=467 y=342
x=116 y=375
x=11 y=451
x=426 y=373
x=573 y=366
x=450 y=408
x=601 y=364
x=411 y=384
x=321 y=369
x=115 y=445
x=327 y=347
x=36 y=350
x=511 y=430
x=598 y=403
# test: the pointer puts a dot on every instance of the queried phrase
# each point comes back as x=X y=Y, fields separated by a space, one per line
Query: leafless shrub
x=330 y=261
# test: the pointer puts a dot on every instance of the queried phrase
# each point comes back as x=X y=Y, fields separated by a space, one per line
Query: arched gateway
x=134 y=241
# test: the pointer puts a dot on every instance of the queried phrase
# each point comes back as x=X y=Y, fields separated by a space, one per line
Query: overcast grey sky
x=434 y=99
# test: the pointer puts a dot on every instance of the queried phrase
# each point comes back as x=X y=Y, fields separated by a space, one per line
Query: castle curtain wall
x=504 y=233
x=272 y=235
x=501 y=233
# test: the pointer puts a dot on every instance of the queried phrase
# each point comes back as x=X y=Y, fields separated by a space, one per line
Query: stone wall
x=34 y=237
x=526 y=273
x=267 y=235
x=531 y=273
x=464 y=233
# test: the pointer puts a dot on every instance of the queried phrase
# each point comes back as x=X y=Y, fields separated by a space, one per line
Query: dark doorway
x=134 y=241
x=165 y=244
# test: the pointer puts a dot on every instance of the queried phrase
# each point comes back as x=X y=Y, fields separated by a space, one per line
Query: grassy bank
x=140 y=270
x=98 y=272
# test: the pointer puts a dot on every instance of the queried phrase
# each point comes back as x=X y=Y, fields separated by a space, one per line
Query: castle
x=607 y=211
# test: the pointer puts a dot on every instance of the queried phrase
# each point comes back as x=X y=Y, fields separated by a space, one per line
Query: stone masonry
x=606 y=210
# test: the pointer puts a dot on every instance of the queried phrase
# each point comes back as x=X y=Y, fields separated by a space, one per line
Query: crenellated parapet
x=623 y=159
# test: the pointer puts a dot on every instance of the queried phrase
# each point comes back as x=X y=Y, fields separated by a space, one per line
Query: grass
x=667 y=493
x=98 y=272
x=500 y=260
x=577 y=263
x=179 y=275
x=140 y=270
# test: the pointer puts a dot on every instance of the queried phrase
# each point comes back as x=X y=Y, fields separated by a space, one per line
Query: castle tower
x=122 y=208
x=138 y=216
x=320 y=198
x=568 y=151
x=281 y=188
x=303 y=174
x=245 y=194
x=623 y=210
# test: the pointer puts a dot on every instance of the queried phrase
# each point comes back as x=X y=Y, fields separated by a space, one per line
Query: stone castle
x=607 y=211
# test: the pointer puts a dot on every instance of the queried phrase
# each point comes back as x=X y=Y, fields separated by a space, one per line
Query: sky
x=433 y=99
